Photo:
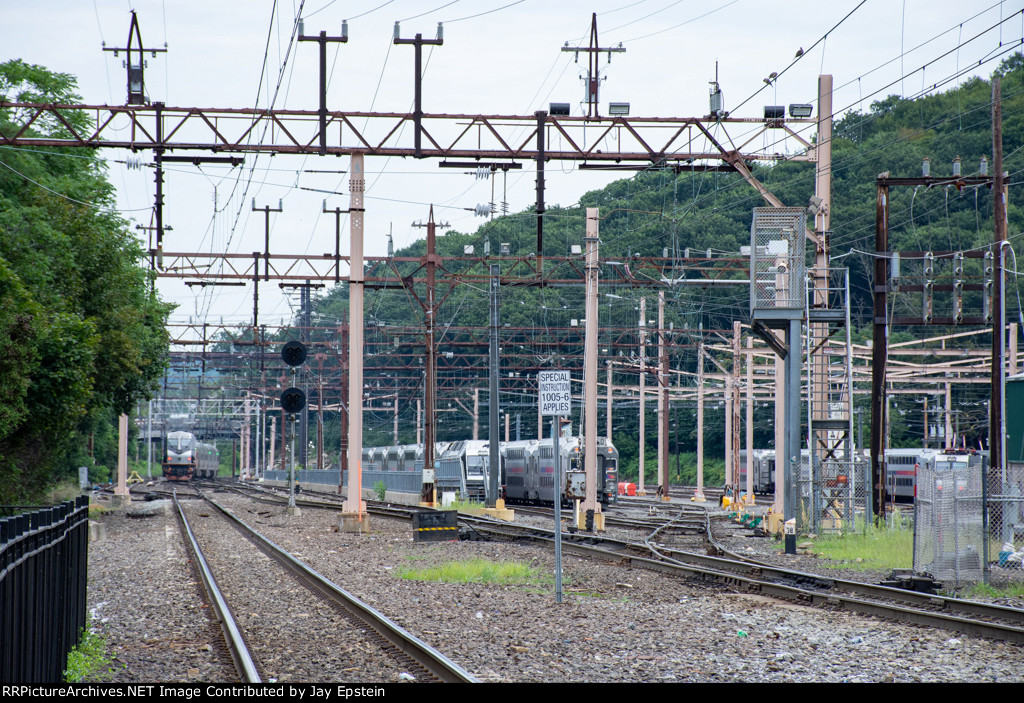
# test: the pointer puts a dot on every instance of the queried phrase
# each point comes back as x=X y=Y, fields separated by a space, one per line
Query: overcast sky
x=498 y=57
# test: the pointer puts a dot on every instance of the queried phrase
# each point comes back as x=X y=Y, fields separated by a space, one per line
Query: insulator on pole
x=482 y=210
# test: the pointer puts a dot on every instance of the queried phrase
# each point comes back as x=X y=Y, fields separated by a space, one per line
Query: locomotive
x=186 y=458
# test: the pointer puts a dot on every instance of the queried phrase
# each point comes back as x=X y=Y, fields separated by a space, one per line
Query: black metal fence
x=43 y=566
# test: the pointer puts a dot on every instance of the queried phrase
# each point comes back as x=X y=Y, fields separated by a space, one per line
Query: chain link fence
x=777 y=269
x=948 y=523
x=833 y=498
x=1006 y=524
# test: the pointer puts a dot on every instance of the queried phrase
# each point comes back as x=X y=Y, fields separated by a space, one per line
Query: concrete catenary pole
x=354 y=508
x=590 y=367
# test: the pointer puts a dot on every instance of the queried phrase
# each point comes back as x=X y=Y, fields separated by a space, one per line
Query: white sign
x=555 y=394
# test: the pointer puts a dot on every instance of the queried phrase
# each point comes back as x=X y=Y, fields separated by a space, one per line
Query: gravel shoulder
x=614 y=625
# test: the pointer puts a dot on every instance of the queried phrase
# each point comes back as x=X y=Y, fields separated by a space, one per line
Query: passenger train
x=186 y=458
x=902 y=466
x=526 y=471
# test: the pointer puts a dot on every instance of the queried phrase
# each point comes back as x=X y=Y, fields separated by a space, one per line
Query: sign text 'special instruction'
x=554 y=393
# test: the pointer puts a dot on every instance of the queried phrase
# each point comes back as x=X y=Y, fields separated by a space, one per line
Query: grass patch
x=63 y=492
x=987 y=591
x=89 y=660
x=878 y=548
x=96 y=510
x=478 y=571
x=460 y=504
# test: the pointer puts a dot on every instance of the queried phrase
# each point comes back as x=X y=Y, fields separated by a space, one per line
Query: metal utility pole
x=304 y=417
x=593 y=80
x=418 y=43
x=734 y=439
x=643 y=392
x=700 y=420
x=541 y=116
x=136 y=68
x=337 y=212
x=663 y=401
x=322 y=39
x=750 y=417
x=305 y=322
x=266 y=238
x=494 y=461
x=608 y=404
x=135 y=65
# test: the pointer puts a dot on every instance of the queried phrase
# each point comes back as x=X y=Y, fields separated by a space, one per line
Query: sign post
x=554 y=395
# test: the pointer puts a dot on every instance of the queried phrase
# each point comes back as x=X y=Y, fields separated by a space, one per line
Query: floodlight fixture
x=618 y=109
x=800 y=110
x=774 y=112
x=560 y=109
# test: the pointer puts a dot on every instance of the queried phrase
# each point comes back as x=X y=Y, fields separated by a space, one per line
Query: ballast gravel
x=615 y=624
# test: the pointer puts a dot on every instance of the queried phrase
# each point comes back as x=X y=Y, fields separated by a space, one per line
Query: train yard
x=626 y=617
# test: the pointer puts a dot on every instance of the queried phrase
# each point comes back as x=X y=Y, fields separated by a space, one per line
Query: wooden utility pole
x=879 y=344
x=997 y=400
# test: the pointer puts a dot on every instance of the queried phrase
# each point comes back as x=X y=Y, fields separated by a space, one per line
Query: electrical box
x=576 y=484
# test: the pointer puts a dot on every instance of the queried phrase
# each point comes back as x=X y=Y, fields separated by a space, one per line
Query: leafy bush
x=89 y=659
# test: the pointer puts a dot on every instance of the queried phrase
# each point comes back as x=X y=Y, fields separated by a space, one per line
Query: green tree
x=82 y=332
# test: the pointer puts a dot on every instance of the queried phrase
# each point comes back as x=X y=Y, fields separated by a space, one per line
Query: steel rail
x=244 y=664
x=749 y=574
x=798 y=588
x=426 y=656
x=953 y=605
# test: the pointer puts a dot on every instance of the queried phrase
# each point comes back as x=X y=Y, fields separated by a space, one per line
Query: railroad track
x=966 y=617
x=695 y=520
x=408 y=651
x=748 y=575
